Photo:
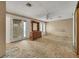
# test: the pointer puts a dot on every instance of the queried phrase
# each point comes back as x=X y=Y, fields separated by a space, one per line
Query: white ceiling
x=55 y=9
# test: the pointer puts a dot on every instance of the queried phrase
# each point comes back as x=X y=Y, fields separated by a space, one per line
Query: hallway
x=46 y=47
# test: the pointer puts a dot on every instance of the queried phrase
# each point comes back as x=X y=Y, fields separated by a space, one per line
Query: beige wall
x=2 y=28
x=60 y=27
x=75 y=30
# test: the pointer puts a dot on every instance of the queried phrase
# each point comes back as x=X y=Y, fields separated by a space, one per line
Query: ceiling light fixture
x=29 y=4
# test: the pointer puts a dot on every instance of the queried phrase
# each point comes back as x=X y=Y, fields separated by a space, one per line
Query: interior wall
x=61 y=27
x=75 y=30
x=9 y=26
x=8 y=32
x=2 y=29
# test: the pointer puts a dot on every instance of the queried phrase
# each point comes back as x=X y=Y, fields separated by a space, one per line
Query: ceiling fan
x=47 y=16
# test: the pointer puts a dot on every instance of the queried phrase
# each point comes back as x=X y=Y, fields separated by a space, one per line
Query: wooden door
x=2 y=29
x=78 y=31
x=77 y=16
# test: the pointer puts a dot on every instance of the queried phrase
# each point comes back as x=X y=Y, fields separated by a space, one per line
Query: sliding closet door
x=17 y=30
x=2 y=29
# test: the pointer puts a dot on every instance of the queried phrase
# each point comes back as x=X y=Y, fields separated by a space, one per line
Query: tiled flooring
x=49 y=46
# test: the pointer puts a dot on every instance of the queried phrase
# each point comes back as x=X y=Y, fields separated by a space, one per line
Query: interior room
x=40 y=29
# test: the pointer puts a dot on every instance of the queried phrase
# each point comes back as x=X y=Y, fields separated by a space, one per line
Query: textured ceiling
x=40 y=9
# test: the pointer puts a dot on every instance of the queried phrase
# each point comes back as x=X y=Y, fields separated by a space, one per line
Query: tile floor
x=50 y=46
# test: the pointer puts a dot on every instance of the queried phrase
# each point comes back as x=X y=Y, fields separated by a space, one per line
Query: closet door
x=17 y=30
